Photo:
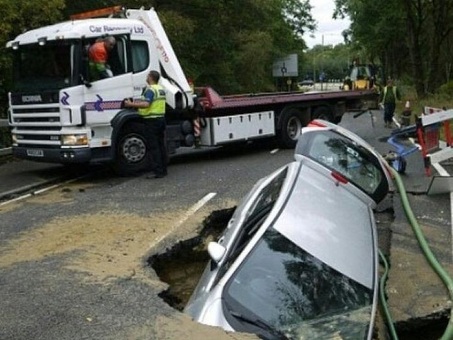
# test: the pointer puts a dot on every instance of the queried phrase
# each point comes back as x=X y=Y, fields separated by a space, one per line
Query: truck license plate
x=35 y=153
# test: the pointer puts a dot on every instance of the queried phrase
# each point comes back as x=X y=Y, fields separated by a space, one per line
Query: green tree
x=229 y=44
x=410 y=37
x=19 y=16
x=232 y=43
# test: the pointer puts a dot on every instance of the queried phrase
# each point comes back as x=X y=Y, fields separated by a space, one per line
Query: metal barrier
x=5 y=152
x=4 y=125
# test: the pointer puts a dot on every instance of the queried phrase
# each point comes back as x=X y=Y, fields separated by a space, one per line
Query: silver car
x=299 y=257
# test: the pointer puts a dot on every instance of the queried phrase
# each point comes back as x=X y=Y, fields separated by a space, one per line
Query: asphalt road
x=73 y=259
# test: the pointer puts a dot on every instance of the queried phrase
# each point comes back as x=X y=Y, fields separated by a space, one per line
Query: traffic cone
x=406 y=114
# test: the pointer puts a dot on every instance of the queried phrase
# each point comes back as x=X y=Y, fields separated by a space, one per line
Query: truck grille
x=35 y=137
x=38 y=115
x=36 y=125
x=36 y=110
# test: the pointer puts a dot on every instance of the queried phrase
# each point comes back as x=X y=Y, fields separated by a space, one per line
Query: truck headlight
x=81 y=139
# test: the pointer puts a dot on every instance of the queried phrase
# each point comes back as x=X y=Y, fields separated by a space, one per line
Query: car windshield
x=283 y=286
x=347 y=157
x=42 y=67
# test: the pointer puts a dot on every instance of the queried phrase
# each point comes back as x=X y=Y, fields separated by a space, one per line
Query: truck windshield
x=42 y=67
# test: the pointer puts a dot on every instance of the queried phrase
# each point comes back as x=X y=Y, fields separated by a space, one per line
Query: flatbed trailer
x=286 y=112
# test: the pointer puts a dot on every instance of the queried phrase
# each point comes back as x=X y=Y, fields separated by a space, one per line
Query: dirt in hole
x=182 y=265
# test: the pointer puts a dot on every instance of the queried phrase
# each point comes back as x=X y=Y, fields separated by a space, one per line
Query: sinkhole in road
x=182 y=265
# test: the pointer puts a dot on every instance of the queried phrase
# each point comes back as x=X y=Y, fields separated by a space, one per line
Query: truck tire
x=290 y=128
x=132 y=151
x=323 y=112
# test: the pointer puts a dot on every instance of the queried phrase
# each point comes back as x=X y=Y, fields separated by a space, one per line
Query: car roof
x=331 y=223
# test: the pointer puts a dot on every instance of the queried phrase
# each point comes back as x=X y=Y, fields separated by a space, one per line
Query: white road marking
x=197 y=206
x=275 y=151
x=439 y=168
x=40 y=191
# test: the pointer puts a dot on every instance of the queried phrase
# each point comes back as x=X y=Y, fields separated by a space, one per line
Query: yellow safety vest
x=157 y=107
x=385 y=93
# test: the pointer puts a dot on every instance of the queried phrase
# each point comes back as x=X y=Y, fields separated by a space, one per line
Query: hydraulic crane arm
x=176 y=80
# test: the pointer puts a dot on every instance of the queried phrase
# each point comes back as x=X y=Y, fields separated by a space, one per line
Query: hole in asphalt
x=182 y=265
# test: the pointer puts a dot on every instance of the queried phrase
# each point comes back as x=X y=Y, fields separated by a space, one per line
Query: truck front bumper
x=47 y=155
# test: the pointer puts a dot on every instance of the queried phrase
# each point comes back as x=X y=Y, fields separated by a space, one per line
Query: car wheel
x=132 y=151
x=291 y=126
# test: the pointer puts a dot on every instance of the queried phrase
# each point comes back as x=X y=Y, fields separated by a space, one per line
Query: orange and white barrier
x=428 y=133
x=427 y=110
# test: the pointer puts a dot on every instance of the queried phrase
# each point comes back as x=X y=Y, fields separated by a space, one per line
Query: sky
x=328 y=29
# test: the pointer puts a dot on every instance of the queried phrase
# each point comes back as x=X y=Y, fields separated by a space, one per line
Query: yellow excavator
x=361 y=77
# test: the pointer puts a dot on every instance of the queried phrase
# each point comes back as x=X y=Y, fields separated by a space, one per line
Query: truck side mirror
x=84 y=81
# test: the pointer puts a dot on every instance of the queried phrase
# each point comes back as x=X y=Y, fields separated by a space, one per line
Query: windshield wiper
x=276 y=334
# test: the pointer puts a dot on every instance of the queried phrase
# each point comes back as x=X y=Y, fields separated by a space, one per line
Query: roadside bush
x=446 y=89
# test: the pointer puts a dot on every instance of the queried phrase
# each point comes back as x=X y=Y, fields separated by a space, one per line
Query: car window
x=287 y=288
x=345 y=156
x=267 y=196
x=255 y=216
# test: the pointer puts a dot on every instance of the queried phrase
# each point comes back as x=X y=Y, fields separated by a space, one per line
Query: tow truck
x=58 y=114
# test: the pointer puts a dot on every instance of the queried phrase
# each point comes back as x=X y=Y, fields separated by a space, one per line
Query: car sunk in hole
x=299 y=257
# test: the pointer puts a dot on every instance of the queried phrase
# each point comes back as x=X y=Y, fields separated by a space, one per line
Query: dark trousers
x=155 y=134
x=389 y=110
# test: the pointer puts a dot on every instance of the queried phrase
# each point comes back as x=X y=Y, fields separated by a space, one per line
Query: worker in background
x=152 y=108
x=388 y=99
x=347 y=84
x=98 y=55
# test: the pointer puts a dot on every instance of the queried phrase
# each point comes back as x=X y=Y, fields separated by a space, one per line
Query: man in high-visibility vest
x=389 y=96
x=152 y=108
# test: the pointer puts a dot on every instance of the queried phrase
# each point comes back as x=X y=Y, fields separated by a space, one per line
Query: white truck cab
x=58 y=113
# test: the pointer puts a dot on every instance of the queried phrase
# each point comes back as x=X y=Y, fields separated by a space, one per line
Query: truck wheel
x=132 y=151
x=291 y=125
x=323 y=112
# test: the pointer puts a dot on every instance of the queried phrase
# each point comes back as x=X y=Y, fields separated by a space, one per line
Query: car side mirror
x=216 y=251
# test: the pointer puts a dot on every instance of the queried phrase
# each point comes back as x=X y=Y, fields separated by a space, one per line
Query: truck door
x=103 y=97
